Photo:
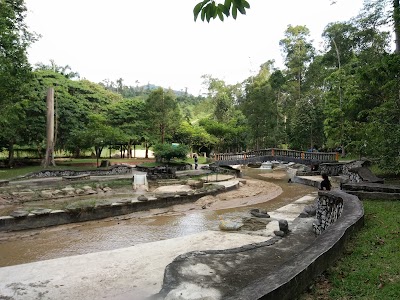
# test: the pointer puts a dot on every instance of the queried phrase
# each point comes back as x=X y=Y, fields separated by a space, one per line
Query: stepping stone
x=41 y=211
x=19 y=214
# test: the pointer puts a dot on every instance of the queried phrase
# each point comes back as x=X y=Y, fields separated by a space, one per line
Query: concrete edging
x=293 y=276
x=298 y=273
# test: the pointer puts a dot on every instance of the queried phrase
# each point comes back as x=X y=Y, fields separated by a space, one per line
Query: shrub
x=166 y=152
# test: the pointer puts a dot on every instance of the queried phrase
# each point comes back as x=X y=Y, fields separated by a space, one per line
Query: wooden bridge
x=259 y=156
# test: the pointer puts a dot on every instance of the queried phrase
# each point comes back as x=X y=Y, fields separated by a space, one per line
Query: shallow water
x=124 y=231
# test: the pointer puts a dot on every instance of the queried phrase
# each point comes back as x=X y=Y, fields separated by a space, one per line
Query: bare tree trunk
x=396 y=19
x=11 y=154
x=49 y=158
x=147 y=150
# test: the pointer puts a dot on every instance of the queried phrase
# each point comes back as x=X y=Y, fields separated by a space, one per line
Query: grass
x=370 y=267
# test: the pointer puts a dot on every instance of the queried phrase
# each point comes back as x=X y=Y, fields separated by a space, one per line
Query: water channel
x=125 y=231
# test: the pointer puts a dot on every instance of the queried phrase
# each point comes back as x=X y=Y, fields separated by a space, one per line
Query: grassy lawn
x=370 y=266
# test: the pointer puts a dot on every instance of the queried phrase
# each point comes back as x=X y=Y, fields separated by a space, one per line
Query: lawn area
x=370 y=266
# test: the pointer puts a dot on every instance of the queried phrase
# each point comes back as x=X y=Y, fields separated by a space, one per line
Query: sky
x=158 y=42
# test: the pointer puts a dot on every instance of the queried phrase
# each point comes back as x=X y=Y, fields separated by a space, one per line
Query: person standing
x=325 y=183
x=196 y=161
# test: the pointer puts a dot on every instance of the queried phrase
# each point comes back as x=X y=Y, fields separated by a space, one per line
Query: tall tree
x=15 y=71
x=163 y=111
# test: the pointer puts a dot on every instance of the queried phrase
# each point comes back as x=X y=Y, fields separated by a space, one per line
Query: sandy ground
x=250 y=192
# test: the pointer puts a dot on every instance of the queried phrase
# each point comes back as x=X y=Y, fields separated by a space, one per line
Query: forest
x=345 y=97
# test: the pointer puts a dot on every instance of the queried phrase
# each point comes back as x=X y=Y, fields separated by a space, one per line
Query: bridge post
x=272 y=152
x=337 y=156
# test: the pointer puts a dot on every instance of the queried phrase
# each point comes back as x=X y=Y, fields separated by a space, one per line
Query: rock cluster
x=283 y=228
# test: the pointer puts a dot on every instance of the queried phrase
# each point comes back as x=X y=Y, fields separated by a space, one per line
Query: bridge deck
x=308 y=158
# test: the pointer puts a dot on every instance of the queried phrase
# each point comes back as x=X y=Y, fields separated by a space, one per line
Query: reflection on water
x=125 y=231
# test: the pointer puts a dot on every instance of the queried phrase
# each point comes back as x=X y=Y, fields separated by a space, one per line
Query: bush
x=168 y=151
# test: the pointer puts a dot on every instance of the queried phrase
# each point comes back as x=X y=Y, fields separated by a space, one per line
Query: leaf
x=242 y=10
x=209 y=12
x=203 y=14
x=224 y=9
x=234 y=11
x=220 y=15
x=228 y=4
x=197 y=9
x=245 y=4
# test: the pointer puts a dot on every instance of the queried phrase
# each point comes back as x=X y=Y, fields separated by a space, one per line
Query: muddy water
x=125 y=231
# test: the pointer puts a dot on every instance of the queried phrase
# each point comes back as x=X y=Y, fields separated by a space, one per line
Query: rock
x=46 y=194
x=310 y=210
x=19 y=213
x=107 y=189
x=41 y=211
x=56 y=192
x=68 y=190
x=259 y=214
x=79 y=191
x=142 y=198
x=254 y=224
x=279 y=233
x=284 y=226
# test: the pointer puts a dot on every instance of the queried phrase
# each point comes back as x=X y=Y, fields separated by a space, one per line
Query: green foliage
x=372 y=258
x=170 y=151
x=163 y=111
x=208 y=9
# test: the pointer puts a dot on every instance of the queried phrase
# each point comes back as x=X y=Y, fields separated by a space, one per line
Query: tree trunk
x=11 y=154
x=49 y=158
x=396 y=19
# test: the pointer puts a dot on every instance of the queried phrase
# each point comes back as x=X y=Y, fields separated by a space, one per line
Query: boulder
x=259 y=213
x=19 y=214
x=143 y=198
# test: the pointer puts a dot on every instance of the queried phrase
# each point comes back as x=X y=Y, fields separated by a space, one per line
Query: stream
x=129 y=230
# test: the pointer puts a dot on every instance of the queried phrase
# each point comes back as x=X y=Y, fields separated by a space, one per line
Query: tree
x=163 y=111
x=129 y=117
x=15 y=71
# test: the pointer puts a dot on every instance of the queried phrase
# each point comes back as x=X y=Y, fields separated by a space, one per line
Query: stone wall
x=332 y=169
x=329 y=209
x=113 y=170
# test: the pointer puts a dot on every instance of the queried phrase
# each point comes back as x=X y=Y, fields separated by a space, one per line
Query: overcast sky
x=157 y=41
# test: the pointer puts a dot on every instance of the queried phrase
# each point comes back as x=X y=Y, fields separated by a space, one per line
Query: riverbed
x=142 y=227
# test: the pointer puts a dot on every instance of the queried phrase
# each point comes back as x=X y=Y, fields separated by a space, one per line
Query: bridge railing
x=275 y=152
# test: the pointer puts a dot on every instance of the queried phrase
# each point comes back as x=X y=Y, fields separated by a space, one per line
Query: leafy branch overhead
x=208 y=9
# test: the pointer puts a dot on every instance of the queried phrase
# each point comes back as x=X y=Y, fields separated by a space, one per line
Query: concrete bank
x=276 y=269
